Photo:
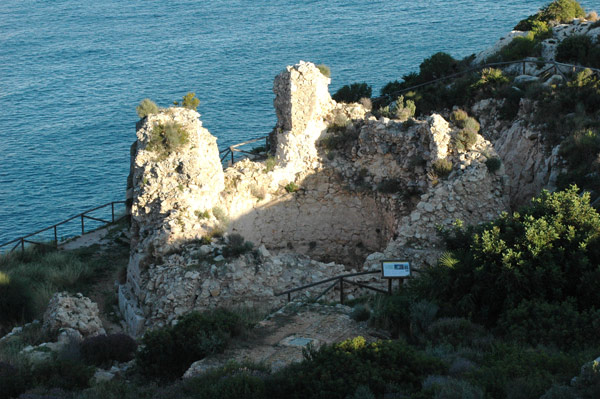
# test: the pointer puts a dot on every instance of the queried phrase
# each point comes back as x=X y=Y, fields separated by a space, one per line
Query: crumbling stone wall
x=339 y=212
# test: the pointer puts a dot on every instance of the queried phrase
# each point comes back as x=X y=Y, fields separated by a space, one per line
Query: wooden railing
x=231 y=150
x=337 y=280
x=21 y=241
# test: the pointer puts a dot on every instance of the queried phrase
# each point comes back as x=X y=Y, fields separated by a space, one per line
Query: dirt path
x=279 y=340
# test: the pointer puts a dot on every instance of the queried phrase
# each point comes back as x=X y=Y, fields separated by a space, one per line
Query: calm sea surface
x=72 y=72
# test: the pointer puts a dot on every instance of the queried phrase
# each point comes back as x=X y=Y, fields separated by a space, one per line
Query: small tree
x=190 y=101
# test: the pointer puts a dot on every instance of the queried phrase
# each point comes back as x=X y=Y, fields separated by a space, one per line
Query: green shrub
x=62 y=373
x=392 y=313
x=547 y=251
x=270 y=164
x=360 y=313
x=560 y=325
x=101 y=350
x=422 y=314
x=237 y=246
x=465 y=139
x=16 y=302
x=459 y=116
x=168 y=352
x=454 y=331
x=167 y=138
x=291 y=187
x=190 y=101
x=442 y=167
x=437 y=66
x=353 y=93
x=520 y=47
x=578 y=49
x=220 y=214
x=451 y=388
x=336 y=371
x=559 y=11
x=202 y=214
x=493 y=164
x=390 y=186
x=12 y=381
x=404 y=110
x=324 y=69
x=562 y=11
x=514 y=371
x=234 y=381
x=490 y=80
x=146 y=107
x=340 y=123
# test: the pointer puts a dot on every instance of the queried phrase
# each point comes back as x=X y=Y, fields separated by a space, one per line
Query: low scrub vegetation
x=146 y=107
x=168 y=352
x=167 y=138
x=353 y=93
x=325 y=70
x=29 y=279
x=558 y=11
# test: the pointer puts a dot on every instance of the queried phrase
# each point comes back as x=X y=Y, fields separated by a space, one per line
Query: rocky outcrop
x=72 y=312
x=171 y=189
x=529 y=164
x=333 y=202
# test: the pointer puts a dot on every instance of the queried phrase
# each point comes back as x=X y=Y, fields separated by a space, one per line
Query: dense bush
x=548 y=252
x=437 y=66
x=490 y=80
x=146 y=107
x=101 y=350
x=237 y=246
x=559 y=11
x=579 y=49
x=12 y=382
x=15 y=301
x=561 y=325
x=442 y=167
x=404 y=109
x=190 y=101
x=62 y=373
x=336 y=371
x=454 y=331
x=392 y=312
x=513 y=371
x=167 y=138
x=493 y=164
x=353 y=93
x=233 y=381
x=324 y=69
x=168 y=352
x=465 y=139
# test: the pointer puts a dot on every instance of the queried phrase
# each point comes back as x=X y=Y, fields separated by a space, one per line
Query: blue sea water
x=72 y=72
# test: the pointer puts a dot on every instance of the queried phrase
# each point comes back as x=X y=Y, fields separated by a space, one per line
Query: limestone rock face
x=72 y=312
x=529 y=166
x=171 y=190
x=302 y=102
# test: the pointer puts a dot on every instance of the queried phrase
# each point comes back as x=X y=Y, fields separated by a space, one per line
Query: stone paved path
x=279 y=340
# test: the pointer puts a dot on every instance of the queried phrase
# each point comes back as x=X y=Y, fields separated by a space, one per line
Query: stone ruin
x=340 y=219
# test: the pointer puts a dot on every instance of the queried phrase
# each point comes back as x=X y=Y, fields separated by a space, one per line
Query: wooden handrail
x=83 y=215
x=341 y=279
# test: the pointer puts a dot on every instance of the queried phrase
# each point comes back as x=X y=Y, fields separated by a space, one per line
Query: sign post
x=395 y=269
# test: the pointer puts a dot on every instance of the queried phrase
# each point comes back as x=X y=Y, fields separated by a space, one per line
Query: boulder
x=72 y=312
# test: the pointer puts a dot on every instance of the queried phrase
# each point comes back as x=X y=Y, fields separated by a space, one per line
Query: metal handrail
x=224 y=153
x=341 y=279
x=83 y=215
